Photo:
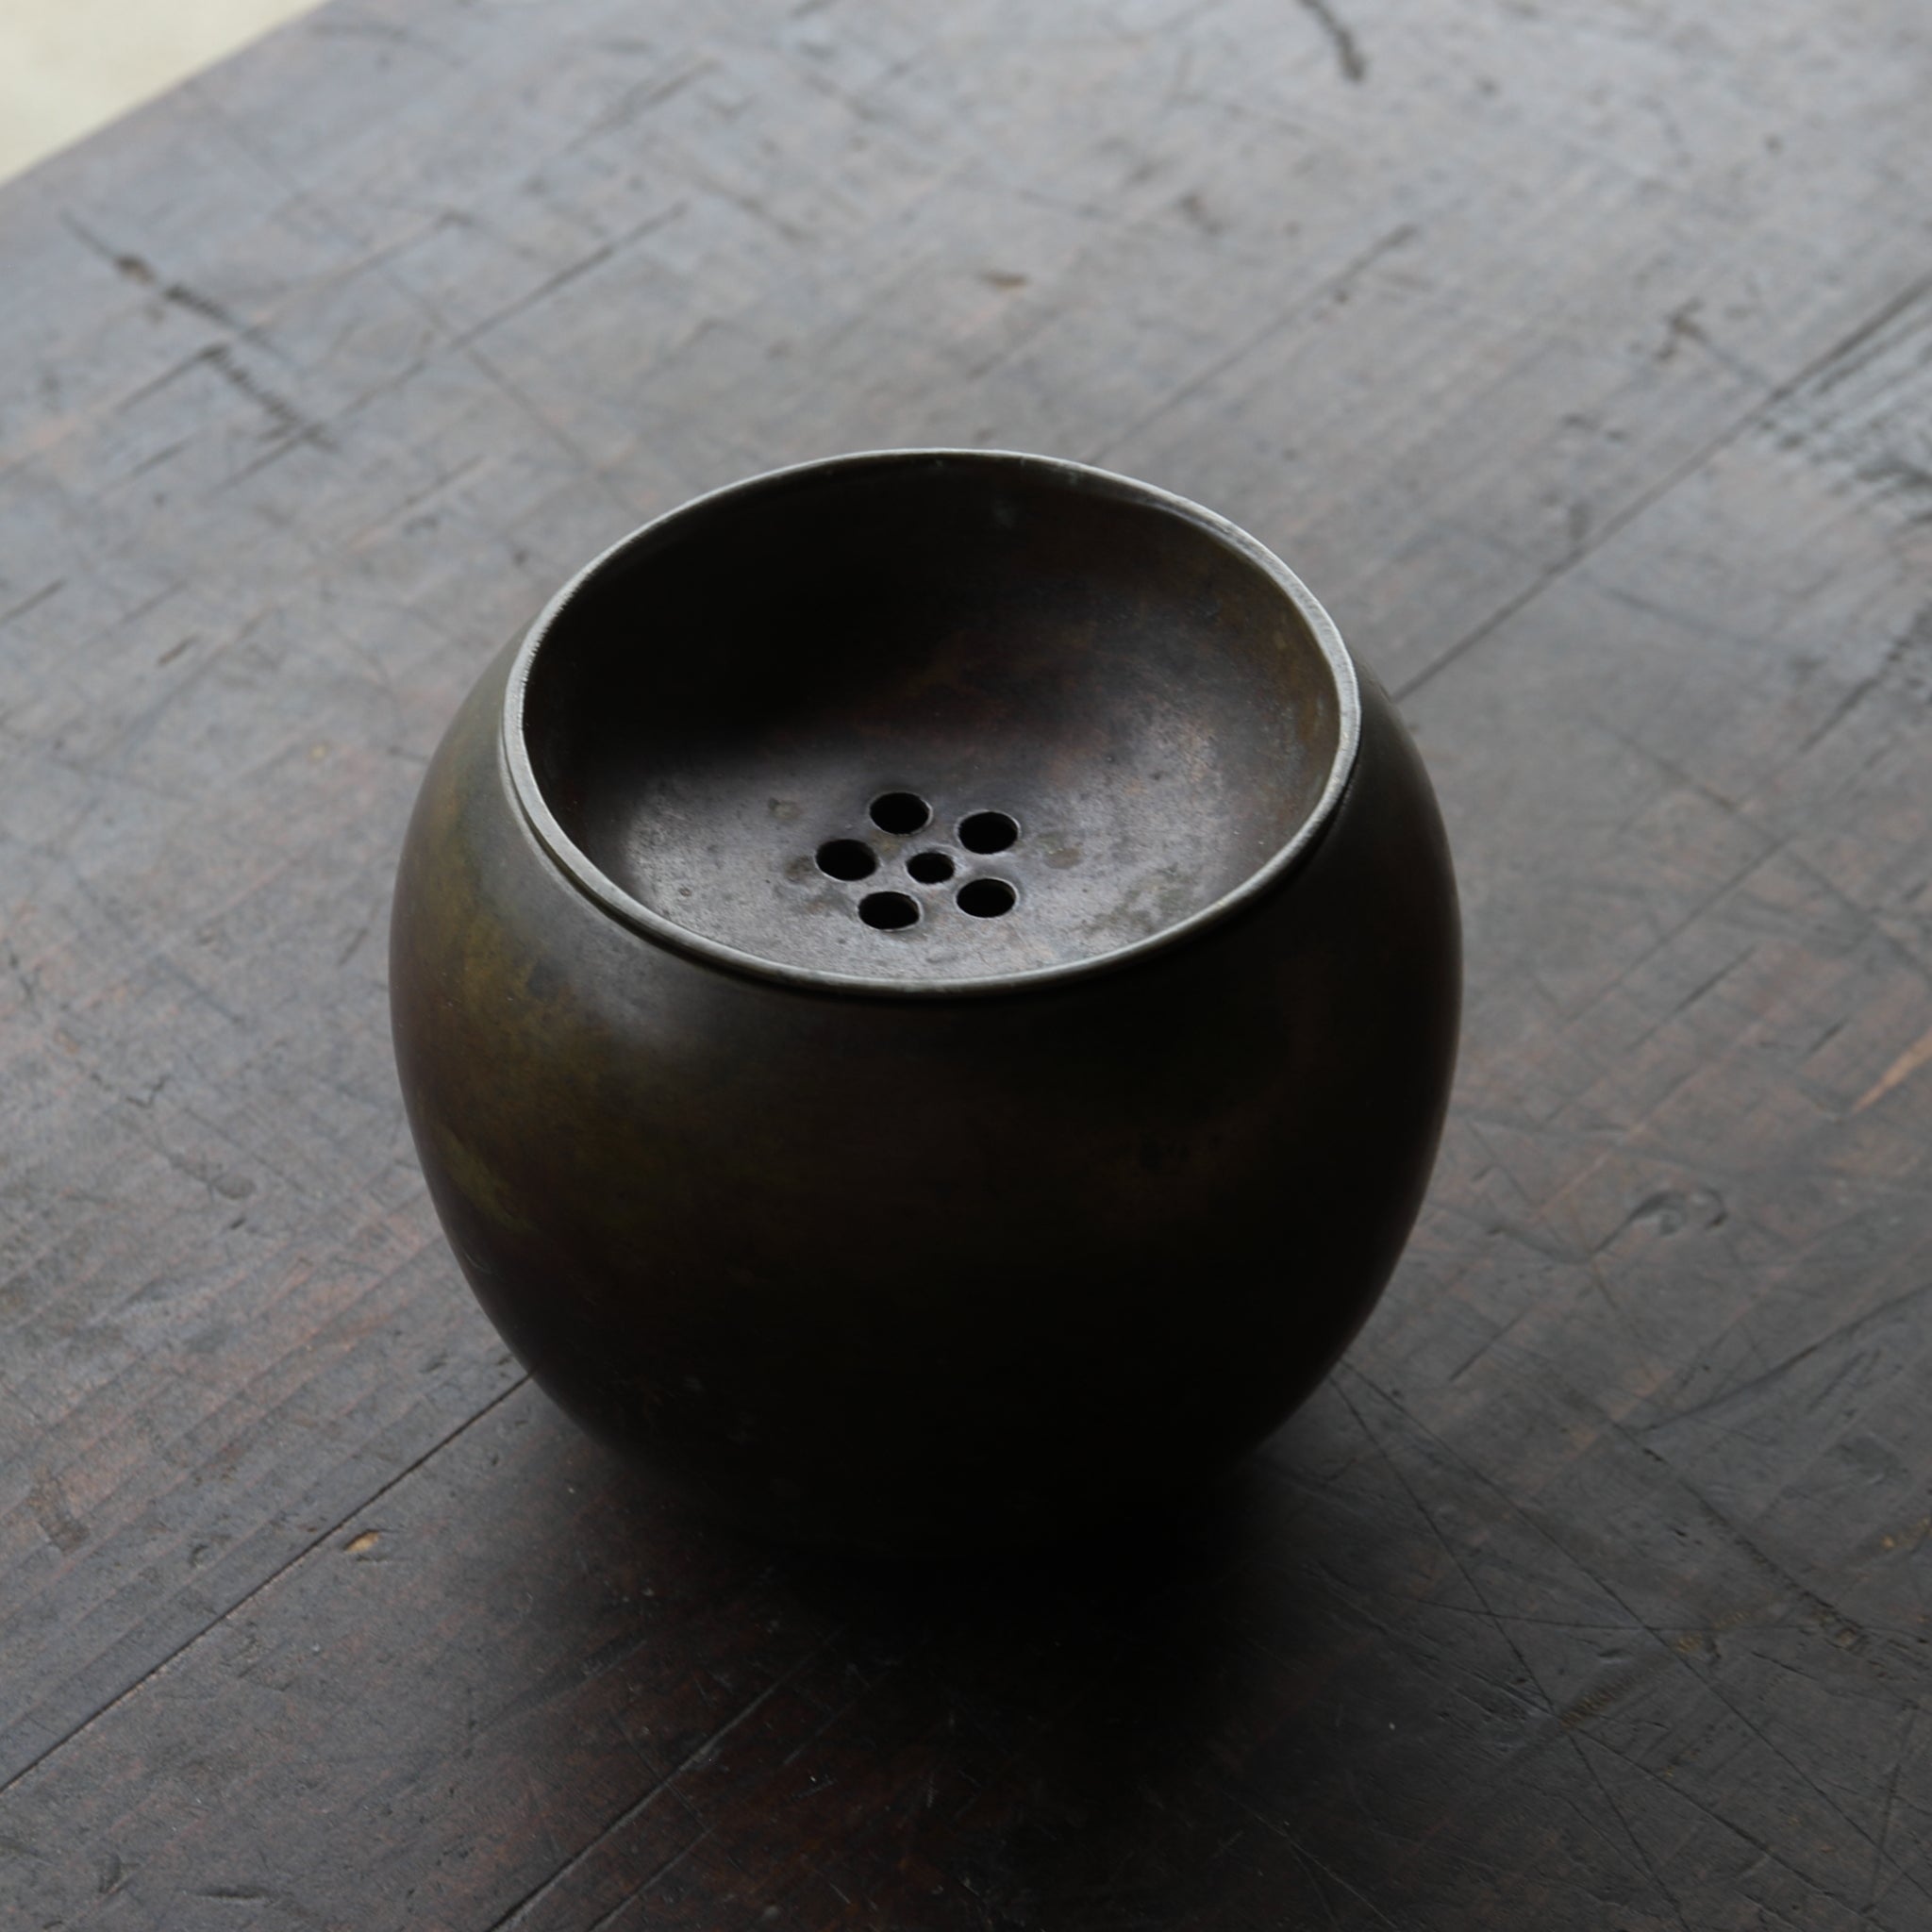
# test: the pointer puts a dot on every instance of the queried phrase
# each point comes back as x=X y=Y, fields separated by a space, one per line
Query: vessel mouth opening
x=1067 y=716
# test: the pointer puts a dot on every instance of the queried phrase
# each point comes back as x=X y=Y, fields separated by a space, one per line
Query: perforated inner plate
x=930 y=717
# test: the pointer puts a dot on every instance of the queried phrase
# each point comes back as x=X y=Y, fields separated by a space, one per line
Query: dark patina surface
x=1021 y=1209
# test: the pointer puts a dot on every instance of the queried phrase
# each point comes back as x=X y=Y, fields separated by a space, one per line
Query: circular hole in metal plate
x=988 y=831
x=987 y=898
x=847 y=859
x=900 y=811
x=889 y=911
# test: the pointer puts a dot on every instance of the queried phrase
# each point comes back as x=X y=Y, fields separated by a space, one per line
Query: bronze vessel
x=926 y=987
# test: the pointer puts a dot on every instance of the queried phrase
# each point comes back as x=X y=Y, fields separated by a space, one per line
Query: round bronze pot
x=925 y=989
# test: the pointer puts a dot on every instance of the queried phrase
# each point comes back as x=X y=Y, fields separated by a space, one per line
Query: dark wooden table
x=1580 y=357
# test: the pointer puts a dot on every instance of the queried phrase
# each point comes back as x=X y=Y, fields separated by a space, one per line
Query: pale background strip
x=70 y=66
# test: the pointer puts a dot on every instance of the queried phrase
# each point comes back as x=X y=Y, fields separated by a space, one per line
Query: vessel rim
x=604 y=891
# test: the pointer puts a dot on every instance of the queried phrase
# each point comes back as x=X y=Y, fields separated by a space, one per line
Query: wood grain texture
x=1581 y=359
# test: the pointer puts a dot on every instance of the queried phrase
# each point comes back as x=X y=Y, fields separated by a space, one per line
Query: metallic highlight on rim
x=598 y=886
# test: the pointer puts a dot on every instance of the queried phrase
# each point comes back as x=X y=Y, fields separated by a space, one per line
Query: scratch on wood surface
x=1642 y=1851
x=59 y=1524
x=548 y=424
x=1680 y=1651
x=1887 y=1810
x=141 y=272
x=1321 y=1874
x=1336 y=289
x=1899 y=475
x=1679 y=1790
x=1348 y=53
x=658 y=219
x=1542 y=1700
x=750 y=202
x=1816 y=376
x=331 y=26
x=1824 y=1616
x=1682 y=325
x=654 y=1878
x=289 y=422
x=1683 y=1652
x=1900 y=1071
x=701 y=1755
x=640 y=100
x=34 y=602
x=1831 y=1624
x=1665 y=1782
x=32 y=1762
